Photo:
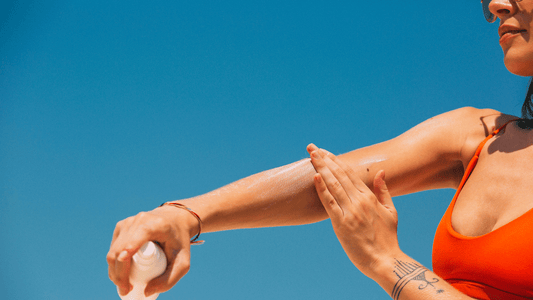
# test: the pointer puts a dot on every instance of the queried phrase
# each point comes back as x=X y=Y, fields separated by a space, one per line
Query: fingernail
x=149 y=292
x=317 y=178
x=123 y=291
x=315 y=154
x=122 y=255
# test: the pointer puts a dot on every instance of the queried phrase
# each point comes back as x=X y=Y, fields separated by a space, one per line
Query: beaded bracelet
x=195 y=240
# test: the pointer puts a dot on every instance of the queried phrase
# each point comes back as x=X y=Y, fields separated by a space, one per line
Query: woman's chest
x=499 y=190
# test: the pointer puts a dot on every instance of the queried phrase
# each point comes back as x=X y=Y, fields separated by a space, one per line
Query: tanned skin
x=431 y=155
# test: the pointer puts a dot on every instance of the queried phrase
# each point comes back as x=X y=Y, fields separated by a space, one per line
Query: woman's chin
x=520 y=69
x=518 y=64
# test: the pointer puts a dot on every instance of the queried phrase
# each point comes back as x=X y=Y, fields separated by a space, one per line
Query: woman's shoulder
x=471 y=118
x=479 y=122
x=472 y=125
x=459 y=132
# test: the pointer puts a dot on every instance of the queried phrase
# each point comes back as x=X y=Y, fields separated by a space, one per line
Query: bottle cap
x=147 y=255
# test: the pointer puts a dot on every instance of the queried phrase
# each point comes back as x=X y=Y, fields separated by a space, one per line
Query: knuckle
x=336 y=185
x=182 y=267
x=358 y=207
x=187 y=267
x=110 y=274
x=119 y=281
x=110 y=258
x=351 y=173
x=373 y=199
x=163 y=288
x=157 y=224
x=120 y=224
x=324 y=191
x=363 y=206
x=335 y=170
x=151 y=223
x=158 y=221
x=354 y=219
x=124 y=222
x=142 y=215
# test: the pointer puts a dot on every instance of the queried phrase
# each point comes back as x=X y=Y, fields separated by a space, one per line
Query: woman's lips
x=508 y=34
x=513 y=31
x=506 y=28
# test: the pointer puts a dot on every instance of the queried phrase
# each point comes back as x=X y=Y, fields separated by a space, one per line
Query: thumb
x=178 y=263
x=382 y=192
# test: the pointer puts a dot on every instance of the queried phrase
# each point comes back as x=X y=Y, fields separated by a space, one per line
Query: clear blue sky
x=108 y=108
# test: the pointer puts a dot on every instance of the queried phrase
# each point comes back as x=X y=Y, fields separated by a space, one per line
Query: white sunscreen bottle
x=148 y=263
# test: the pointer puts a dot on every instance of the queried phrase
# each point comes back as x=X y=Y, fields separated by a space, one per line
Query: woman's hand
x=172 y=228
x=365 y=222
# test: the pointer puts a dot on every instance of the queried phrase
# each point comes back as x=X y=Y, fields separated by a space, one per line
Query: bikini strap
x=473 y=162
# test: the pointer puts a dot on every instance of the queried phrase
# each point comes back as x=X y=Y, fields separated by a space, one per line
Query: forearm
x=278 y=197
x=406 y=279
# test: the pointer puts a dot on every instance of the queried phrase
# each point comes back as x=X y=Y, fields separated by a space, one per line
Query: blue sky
x=110 y=108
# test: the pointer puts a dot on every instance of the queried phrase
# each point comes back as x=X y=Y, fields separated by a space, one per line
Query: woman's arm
x=429 y=156
x=365 y=223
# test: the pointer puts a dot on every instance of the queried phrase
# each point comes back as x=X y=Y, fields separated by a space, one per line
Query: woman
x=484 y=224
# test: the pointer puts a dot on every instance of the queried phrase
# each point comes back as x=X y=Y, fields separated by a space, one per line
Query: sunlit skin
x=433 y=154
x=517 y=47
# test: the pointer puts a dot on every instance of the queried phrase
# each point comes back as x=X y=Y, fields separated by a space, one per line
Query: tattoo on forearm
x=408 y=272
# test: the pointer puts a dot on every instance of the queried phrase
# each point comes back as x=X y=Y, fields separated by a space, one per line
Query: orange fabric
x=497 y=265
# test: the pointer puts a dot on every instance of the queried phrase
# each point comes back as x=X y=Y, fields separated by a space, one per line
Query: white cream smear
x=372 y=160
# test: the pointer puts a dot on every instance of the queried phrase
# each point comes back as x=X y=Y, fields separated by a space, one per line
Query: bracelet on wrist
x=194 y=240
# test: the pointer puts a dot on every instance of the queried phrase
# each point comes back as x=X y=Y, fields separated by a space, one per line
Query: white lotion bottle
x=148 y=263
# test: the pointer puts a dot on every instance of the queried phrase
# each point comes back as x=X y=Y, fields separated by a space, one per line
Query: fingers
x=171 y=228
x=380 y=189
x=354 y=178
x=357 y=182
x=178 y=265
x=328 y=201
x=122 y=266
x=128 y=237
x=116 y=232
x=346 y=176
x=382 y=192
x=338 y=184
x=119 y=260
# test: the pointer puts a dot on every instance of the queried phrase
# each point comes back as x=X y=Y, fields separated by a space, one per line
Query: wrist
x=181 y=216
x=385 y=271
x=384 y=265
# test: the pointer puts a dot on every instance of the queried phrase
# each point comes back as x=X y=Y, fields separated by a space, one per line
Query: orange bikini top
x=497 y=265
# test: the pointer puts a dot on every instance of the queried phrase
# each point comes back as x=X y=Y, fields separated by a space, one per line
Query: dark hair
x=527 y=109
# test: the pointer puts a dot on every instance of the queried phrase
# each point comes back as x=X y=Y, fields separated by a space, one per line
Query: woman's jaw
x=517 y=45
x=518 y=53
x=516 y=27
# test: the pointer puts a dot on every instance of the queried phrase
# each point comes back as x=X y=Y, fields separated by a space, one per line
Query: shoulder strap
x=473 y=162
